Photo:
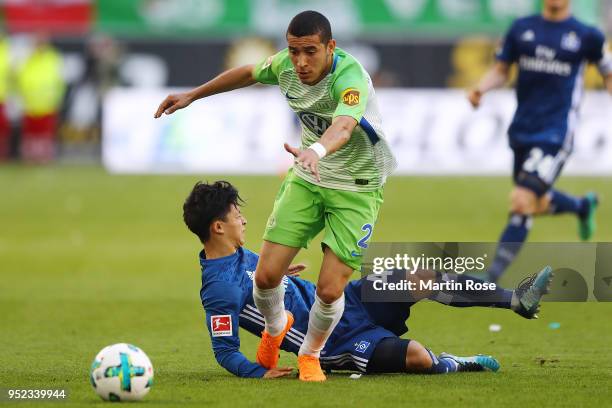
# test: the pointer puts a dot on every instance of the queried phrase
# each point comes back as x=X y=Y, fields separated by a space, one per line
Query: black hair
x=309 y=23
x=207 y=203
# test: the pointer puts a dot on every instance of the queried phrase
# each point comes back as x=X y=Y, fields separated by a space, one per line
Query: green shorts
x=302 y=210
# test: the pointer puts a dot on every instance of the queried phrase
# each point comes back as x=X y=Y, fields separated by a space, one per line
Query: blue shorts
x=537 y=167
x=362 y=327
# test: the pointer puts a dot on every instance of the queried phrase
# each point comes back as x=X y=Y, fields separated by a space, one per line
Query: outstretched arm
x=222 y=304
x=495 y=78
x=506 y=54
x=227 y=81
x=605 y=67
x=599 y=52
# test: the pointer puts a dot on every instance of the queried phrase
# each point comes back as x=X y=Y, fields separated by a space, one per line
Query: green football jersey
x=365 y=161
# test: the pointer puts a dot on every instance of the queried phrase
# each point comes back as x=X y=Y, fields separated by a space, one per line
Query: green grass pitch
x=89 y=259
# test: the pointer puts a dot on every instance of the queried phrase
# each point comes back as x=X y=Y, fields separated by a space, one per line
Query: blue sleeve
x=508 y=50
x=594 y=47
x=222 y=303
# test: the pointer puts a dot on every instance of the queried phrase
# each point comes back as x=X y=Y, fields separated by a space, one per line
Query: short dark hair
x=207 y=203
x=309 y=23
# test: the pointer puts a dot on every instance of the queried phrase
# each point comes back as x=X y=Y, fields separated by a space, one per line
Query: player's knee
x=543 y=204
x=266 y=278
x=417 y=357
x=329 y=294
x=523 y=201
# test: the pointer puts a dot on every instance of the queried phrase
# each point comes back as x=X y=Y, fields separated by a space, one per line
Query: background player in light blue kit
x=551 y=51
x=367 y=337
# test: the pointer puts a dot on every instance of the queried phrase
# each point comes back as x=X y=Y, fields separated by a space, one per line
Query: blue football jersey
x=551 y=57
x=226 y=293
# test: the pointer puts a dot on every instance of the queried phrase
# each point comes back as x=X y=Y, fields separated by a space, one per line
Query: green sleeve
x=350 y=90
x=266 y=71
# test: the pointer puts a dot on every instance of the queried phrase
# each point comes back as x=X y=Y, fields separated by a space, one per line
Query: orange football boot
x=310 y=369
x=269 y=346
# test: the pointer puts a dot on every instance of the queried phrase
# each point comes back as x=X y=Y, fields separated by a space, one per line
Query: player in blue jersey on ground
x=551 y=51
x=367 y=337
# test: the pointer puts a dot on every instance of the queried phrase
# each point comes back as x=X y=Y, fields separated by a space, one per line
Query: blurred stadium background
x=92 y=246
x=108 y=62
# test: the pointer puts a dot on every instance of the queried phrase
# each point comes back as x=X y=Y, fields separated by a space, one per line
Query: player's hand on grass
x=278 y=372
x=308 y=159
x=173 y=103
x=474 y=96
x=294 y=270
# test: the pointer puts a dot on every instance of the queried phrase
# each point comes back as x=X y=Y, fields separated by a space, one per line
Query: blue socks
x=564 y=203
x=510 y=244
x=516 y=231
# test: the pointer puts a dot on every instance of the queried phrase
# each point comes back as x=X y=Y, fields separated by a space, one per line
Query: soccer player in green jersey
x=335 y=185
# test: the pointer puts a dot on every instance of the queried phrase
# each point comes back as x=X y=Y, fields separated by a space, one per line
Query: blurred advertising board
x=49 y=16
x=430 y=131
x=349 y=17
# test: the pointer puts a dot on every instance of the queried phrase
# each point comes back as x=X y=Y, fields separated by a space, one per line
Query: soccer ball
x=121 y=372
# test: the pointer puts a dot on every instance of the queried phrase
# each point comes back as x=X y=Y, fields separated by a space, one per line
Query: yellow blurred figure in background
x=4 y=85
x=41 y=86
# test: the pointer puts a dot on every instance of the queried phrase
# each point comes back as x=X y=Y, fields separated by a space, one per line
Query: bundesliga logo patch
x=350 y=97
x=221 y=325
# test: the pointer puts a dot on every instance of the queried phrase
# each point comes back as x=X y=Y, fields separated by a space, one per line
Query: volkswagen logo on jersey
x=314 y=123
